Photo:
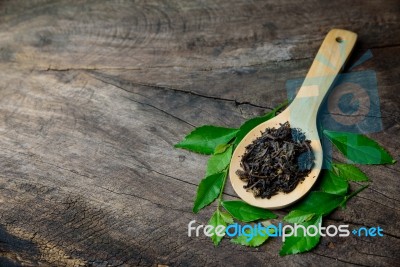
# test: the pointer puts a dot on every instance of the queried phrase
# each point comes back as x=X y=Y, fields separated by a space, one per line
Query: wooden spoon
x=301 y=113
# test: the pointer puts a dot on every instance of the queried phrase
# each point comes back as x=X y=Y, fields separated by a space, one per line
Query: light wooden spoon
x=301 y=113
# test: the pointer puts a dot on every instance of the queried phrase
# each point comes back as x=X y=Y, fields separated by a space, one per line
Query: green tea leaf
x=359 y=148
x=250 y=124
x=349 y=172
x=208 y=190
x=245 y=212
x=216 y=221
x=298 y=216
x=219 y=162
x=221 y=148
x=226 y=217
x=302 y=242
x=319 y=203
x=206 y=138
x=254 y=241
x=331 y=183
x=348 y=197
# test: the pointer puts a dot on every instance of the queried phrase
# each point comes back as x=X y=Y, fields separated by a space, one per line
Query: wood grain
x=94 y=94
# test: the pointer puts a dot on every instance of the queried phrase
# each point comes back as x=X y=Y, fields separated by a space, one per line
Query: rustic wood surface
x=94 y=94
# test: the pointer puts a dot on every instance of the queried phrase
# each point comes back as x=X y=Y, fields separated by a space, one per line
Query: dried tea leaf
x=276 y=161
x=250 y=124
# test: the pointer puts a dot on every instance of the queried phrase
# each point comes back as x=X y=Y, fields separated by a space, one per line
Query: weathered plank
x=93 y=96
x=210 y=34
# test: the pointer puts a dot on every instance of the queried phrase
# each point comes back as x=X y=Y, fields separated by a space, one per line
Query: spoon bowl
x=301 y=113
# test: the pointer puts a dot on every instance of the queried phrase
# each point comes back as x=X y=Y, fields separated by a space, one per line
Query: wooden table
x=94 y=94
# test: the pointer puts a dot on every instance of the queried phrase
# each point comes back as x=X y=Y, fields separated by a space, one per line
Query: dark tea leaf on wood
x=276 y=161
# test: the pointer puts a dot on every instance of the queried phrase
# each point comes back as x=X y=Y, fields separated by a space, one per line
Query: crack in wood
x=237 y=103
x=143 y=198
x=341 y=260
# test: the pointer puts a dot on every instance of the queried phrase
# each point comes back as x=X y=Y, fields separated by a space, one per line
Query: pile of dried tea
x=276 y=161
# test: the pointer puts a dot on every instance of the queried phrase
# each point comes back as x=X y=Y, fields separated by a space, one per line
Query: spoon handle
x=331 y=57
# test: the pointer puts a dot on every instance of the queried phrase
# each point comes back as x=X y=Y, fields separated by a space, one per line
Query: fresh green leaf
x=331 y=183
x=208 y=190
x=250 y=124
x=302 y=242
x=252 y=241
x=319 y=203
x=349 y=172
x=246 y=213
x=215 y=221
x=359 y=148
x=206 y=138
x=221 y=148
x=219 y=162
x=348 y=197
x=298 y=216
x=226 y=217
